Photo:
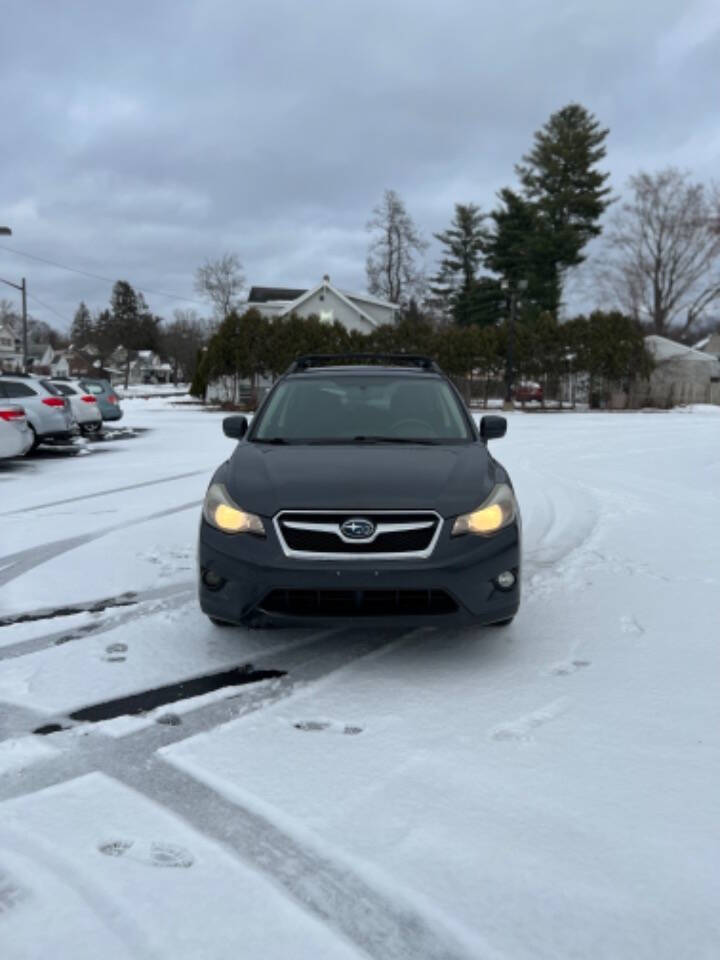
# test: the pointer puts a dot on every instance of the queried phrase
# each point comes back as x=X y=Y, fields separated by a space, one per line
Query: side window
x=14 y=388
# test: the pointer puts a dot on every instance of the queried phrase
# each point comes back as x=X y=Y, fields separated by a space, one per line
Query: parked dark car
x=107 y=400
x=361 y=492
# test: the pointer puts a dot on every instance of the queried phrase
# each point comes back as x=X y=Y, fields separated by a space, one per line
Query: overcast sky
x=140 y=138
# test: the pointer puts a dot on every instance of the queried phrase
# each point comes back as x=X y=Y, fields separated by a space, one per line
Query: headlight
x=222 y=513
x=497 y=512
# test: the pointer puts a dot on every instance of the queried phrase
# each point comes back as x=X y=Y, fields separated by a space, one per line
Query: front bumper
x=463 y=569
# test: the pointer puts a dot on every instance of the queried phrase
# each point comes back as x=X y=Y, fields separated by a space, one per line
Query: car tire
x=220 y=623
x=90 y=429
x=35 y=440
x=503 y=623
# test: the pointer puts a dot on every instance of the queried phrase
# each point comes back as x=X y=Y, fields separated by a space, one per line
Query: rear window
x=51 y=388
x=65 y=390
x=93 y=388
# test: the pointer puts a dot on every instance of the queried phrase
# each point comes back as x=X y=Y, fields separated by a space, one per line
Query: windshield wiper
x=276 y=440
x=380 y=439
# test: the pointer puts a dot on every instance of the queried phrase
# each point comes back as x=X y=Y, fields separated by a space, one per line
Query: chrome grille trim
x=380 y=528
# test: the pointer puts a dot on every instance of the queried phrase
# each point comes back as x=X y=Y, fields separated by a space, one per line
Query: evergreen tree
x=81 y=331
x=559 y=177
x=520 y=249
x=463 y=245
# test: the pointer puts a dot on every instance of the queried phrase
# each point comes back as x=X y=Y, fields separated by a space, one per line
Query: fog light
x=212 y=580
x=505 y=580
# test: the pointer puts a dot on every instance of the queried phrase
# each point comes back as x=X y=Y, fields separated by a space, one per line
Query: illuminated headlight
x=497 y=512
x=222 y=513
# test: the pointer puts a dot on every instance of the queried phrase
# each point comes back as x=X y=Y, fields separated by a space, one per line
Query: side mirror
x=235 y=427
x=492 y=428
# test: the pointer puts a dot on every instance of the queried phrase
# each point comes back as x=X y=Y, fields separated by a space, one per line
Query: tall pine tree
x=81 y=331
x=461 y=294
x=561 y=179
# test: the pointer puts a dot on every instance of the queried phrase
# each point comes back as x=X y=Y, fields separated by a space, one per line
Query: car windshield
x=371 y=408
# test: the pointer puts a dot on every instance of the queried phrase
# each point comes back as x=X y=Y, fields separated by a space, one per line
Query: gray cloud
x=142 y=137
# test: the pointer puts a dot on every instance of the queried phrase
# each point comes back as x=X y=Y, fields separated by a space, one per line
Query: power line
x=48 y=307
x=96 y=276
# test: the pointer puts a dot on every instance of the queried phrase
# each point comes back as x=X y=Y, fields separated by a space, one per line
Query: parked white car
x=83 y=404
x=16 y=437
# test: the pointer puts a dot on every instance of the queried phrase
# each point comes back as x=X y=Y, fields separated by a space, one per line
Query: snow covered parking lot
x=547 y=790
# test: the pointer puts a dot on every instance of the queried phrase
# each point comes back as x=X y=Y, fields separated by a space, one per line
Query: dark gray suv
x=361 y=492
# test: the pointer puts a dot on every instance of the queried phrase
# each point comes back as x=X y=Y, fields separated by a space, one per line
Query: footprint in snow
x=630 y=625
x=566 y=667
x=115 y=652
x=152 y=853
x=315 y=725
x=10 y=893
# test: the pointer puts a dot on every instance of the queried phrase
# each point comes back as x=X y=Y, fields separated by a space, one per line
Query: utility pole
x=22 y=287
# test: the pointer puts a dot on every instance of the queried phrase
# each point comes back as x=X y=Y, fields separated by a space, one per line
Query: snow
x=544 y=790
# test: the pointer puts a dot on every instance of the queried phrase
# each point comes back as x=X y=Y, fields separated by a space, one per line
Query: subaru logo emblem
x=357 y=528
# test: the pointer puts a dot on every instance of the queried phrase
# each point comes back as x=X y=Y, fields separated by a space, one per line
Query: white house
x=11 y=357
x=682 y=374
x=355 y=311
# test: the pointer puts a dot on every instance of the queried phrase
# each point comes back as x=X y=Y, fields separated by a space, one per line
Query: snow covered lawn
x=547 y=790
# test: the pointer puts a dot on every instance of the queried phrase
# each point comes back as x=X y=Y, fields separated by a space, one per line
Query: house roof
x=268 y=294
x=325 y=284
x=664 y=349
x=38 y=349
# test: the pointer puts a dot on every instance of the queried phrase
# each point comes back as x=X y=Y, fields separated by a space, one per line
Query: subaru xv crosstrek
x=361 y=492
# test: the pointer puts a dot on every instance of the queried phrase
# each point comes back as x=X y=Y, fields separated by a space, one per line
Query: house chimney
x=326 y=278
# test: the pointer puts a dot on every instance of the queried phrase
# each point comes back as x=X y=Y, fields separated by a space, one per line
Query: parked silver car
x=15 y=435
x=49 y=414
x=83 y=404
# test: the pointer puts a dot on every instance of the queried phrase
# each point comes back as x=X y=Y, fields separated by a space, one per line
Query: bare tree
x=662 y=252
x=221 y=282
x=391 y=266
x=180 y=341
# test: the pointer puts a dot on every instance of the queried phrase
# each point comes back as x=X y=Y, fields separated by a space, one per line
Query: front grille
x=318 y=535
x=358 y=603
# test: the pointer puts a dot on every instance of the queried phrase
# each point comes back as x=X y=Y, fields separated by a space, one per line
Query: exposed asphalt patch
x=92 y=606
x=147 y=700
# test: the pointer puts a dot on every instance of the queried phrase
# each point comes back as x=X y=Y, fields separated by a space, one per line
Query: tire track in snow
x=173 y=592
x=386 y=928
x=16 y=564
x=104 y=493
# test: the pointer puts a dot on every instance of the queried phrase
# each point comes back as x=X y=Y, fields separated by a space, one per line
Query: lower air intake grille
x=358 y=603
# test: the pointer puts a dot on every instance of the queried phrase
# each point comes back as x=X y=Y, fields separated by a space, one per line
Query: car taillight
x=112 y=398
x=53 y=401
x=88 y=399
x=12 y=413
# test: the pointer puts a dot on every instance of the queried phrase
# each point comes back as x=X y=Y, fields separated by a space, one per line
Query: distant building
x=682 y=374
x=11 y=357
x=710 y=345
x=355 y=311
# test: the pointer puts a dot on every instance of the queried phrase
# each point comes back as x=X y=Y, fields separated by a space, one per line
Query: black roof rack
x=361 y=359
x=9 y=373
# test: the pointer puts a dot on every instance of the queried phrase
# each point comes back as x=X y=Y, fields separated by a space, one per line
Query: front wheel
x=220 y=623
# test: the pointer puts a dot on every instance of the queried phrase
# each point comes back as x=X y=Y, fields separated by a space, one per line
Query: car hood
x=450 y=479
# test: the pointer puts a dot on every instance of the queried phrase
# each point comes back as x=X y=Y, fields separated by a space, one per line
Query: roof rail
x=362 y=359
x=9 y=373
